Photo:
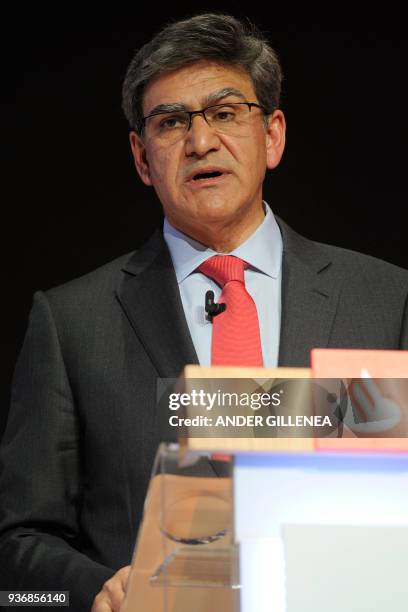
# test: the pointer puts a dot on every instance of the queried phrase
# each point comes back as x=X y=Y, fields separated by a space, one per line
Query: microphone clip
x=211 y=308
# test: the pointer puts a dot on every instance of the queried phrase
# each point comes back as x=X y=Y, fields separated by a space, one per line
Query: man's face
x=242 y=158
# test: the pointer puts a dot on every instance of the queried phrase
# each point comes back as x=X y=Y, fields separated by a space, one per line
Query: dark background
x=71 y=197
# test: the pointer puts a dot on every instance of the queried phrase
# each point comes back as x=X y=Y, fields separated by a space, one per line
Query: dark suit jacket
x=82 y=431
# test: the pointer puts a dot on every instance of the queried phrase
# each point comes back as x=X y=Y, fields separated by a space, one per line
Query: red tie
x=236 y=339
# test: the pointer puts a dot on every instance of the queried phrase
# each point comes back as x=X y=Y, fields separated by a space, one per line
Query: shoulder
x=92 y=285
x=348 y=265
x=81 y=305
x=361 y=265
x=104 y=281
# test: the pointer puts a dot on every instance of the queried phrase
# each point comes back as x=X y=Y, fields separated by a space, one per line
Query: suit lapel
x=150 y=296
x=310 y=294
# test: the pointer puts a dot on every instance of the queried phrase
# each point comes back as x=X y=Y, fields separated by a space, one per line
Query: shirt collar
x=262 y=250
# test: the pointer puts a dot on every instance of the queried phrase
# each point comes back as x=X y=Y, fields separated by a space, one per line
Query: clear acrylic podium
x=288 y=525
x=185 y=558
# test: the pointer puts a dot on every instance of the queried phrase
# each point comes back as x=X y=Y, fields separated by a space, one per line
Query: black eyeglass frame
x=202 y=112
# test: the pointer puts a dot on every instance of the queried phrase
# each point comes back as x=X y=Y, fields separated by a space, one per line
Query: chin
x=217 y=208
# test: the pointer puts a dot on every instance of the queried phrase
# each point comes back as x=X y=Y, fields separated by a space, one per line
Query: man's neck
x=223 y=237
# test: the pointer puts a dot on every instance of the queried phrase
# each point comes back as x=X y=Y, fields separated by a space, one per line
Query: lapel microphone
x=211 y=308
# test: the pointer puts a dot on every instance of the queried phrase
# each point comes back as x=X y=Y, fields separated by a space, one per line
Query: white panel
x=362 y=499
x=262 y=572
x=333 y=568
x=265 y=498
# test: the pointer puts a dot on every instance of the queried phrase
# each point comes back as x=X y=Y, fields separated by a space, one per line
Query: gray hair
x=221 y=38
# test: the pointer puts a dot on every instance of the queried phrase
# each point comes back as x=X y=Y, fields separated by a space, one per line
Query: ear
x=275 y=138
x=140 y=158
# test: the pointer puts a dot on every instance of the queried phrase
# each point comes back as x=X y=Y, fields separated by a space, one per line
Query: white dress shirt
x=263 y=252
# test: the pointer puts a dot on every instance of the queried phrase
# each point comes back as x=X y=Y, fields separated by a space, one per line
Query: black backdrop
x=71 y=198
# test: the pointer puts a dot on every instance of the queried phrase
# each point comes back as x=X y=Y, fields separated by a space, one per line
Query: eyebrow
x=212 y=98
x=216 y=96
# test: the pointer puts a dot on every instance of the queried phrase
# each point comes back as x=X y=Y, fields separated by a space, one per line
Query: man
x=202 y=101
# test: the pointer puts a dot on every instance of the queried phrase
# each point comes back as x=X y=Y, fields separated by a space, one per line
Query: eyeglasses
x=228 y=118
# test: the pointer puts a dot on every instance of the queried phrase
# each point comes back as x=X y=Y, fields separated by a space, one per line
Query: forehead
x=192 y=84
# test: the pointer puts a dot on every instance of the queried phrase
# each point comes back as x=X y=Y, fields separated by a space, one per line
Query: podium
x=287 y=525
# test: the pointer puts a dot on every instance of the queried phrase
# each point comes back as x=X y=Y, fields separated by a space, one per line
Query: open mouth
x=206 y=175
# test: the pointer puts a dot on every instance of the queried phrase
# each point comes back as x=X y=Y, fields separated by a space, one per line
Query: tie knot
x=224 y=268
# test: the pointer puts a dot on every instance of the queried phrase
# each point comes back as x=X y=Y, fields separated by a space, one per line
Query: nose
x=201 y=138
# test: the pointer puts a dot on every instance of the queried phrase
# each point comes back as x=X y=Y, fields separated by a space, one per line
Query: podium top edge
x=391 y=446
x=196 y=371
